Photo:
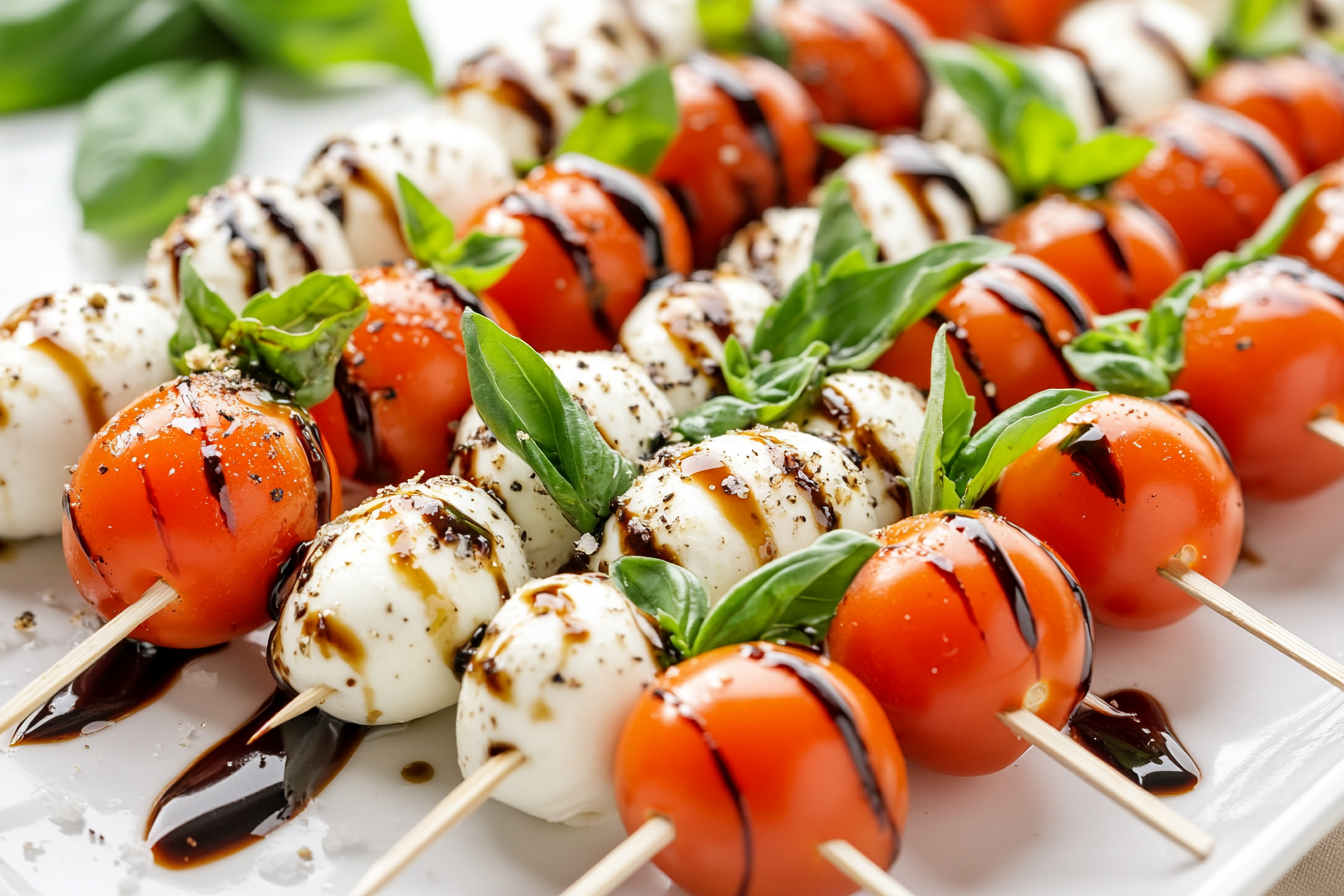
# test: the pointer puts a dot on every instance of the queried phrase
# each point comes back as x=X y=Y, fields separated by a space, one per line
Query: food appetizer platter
x=715 y=452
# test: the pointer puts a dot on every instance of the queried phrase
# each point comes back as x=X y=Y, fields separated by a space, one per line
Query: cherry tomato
x=401 y=385
x=1028 y=21
x=757 y=754
x=1119 y=489
x=596 y=236
x=1298 y=100
x=1010 y=320
x=208 y=483
x=956 y=18
x=1214 y=176
x=1264 y=356
x=744 y=144
x=859 y=61
x=962 y=615
x=1317 y=235
x=1118 y=253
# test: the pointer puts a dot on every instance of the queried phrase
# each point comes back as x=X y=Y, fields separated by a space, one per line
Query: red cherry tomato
x=1298 y=100
x=208 y=483
x=1214 y=176
x=595 y=237
x=956 y=18
x=859 y=61
x=1264 y=356
x=1120 y=488
x=960 y=616
x=745 y=143
x=1029 y=21
x=1010 y=320
x=758 y=754
x=1317 y=235
x=401 y=385
x=1119 y=254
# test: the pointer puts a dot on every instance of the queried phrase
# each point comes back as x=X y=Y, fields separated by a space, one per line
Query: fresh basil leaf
x=949 y=415
x=1271 y=234
x=845 y=139
x=632 y=128
x=840 y=230
x=1261 y=28
x=1010 y=435
x=531 y=413
x=1164 y=329
x=203 y=320
x=1041 y=138
x=716 y=417
x=150 y=140
x=725 y=24
x=484 y=259
x=1122 y=372
x=982 y=85
x=776 y=387
x=668 y=593
x=476 y=261
x=1107 y=156
x=325 y=38
x=820 y=573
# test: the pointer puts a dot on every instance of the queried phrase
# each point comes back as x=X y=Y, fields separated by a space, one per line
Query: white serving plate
x=1268 y=735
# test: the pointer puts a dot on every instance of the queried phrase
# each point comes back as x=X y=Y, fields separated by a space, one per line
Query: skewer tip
x=314 y=696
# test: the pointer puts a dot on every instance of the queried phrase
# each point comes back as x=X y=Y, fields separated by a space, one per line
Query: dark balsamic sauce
x=1102 y=228
x=357 y=405
x=418 y=772
x=285 y=578
x=1010 y=581
x=1136 y=740
x=634 y=202
x=788 y=462
x=947 y=570
x=160 y=527
x=509 y=87
x=127 y=678
x=78 y=533
x=1017 y=299
x=1085 y=679
x=319 y=468
x=1090 y=450
x=285 y=227
x=749 y=109
x=1168 y=49
x=77 y=372
x=467 y=652
x=235 y=793
x=259 y=278
x=906 y=33
x=523 y=201
x=1301 y=272
x=914 y=161
x=963 y=341
x=1179 y=401
x=1058 y=287
x=1249 y=134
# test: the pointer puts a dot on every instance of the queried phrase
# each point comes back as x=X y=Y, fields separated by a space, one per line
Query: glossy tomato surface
x=956 y=18
x=1118 y=489
x=858 y=61
x=744 y=144
x=1214 y=176
x=401 y=385
x=1028 y=21
x=960 y=616
x=1264 y=356
x=1119 y=254
x=595 y=237
x=208 y=483
x=1010 y=321
x=757 y=754
x=1317 y=236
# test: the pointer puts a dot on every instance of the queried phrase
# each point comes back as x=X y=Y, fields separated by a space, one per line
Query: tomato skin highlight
x=142 y=506
x=585 y=266
x=859 y=62
x=1001 y=356
x=1264 y=356
x=781 y=751
x=1214 y=177
x=1118 y=254
x=1317 y=236
x=1170 y=487
x=929 y=627
x=404 y=369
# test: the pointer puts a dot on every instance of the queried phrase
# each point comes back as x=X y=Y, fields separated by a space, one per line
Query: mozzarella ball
x=456 y=164
x=249 y=235
x=556 y=675
x=777 y=249
x=677 y=332
x=68 y=362
x=1072 y=81
x=646 y=32
x=879 y=418
x=630 y=413
x=730 y=504
x=1144 y=55
x=947 y=118
x=387 y=595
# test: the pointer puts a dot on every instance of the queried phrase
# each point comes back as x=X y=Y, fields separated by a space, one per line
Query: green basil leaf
x=1261 y=28
x=150 y=140
x=846 y=139
x=476 y=261
x=840 y=230
x=1041 y=138
x=949 y=415
x=531 y=413
x=483 y=259
x=982 y=85
x=716 y=417
x=725 y=24
x=1010 y=435
x=1164 y=329
x=1271 y=234
x=325 y=38
x=1102 y=159
x=775 y=388
x=56 y=51
x=632 y=128
x=667 y=592
x=1122 y=372
x=203 y=320
x=820 y=573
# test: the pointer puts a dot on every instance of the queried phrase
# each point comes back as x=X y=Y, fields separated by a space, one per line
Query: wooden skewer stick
x=632 y=854
x=1077 y=759
x=464 y=799
x=1092 y=701
x=859 y=868
x=1328 y=428
x=113 y=632
x=314 y=696
x=1210 y=595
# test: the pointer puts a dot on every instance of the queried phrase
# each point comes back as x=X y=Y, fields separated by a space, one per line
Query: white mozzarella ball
x=249 y=235
x=1069 y=76
x=677 y=332
x=948 y=118
x=389 y=593
x=457 y=165
x=630 y=413
x=68 y=362
x=879 y=418
x=777 y=249
x=555 y=677
x=1143 y=55
x=728 y=505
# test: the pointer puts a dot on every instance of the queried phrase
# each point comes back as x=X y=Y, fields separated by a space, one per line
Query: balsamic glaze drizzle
x=948 y=571
x=749 y=109
x=1010 y=581
x=1249 y=134
x=285 y=227
x=958 y=335
x=357 y=405
x=311 y=441
x=632 y=199
x=1091 y=451
x=1060 y=288
x=1179 y=401
x=523 y=201
x=901 y=27
x=1079 y=596
x=259 y=278
x=1136 y=739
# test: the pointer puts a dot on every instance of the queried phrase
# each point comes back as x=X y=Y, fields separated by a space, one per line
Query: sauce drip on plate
x=1137 y=740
